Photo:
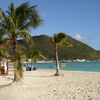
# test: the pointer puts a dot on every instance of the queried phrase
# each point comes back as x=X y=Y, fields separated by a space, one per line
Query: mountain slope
x=78 y=51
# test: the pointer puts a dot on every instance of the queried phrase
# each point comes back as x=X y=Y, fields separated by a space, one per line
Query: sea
x=93 y=66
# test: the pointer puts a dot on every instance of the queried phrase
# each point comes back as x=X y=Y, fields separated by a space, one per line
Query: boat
x=63 y=65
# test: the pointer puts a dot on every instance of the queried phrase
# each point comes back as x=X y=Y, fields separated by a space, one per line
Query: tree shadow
x=46 y=75
x=5 y=85
x=8 y=78
x=38 y=75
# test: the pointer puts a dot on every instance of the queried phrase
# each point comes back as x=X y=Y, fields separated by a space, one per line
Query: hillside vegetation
x=78 y=51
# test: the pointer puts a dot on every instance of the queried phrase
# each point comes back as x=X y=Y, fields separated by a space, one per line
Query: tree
x=36 y=55
x=16 y=23
x=58 y=40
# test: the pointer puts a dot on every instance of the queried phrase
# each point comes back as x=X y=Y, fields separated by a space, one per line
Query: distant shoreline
x=65 y=61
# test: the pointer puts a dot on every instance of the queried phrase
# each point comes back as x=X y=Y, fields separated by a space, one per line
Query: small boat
x=62 y=65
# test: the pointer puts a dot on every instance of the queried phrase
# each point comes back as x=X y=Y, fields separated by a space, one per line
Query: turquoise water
x=73 y=66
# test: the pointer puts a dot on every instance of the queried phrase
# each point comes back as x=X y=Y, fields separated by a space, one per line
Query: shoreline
x=43 y=85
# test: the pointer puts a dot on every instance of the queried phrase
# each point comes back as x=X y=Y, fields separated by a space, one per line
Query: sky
x=78 y=18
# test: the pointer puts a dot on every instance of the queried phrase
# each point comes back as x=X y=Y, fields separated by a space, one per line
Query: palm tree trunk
x=17 y=64
x=18 y=73
x=57 y=61
x=18 y=70
x=15 y=61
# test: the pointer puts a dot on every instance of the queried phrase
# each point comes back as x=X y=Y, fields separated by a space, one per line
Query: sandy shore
x=42 y=85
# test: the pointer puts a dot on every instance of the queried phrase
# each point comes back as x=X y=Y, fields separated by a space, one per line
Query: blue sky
x=77 y=18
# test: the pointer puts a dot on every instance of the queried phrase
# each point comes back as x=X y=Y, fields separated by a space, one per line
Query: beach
x=43 y=85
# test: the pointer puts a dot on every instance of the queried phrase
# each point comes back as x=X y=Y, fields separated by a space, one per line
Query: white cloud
x=81 y=38
x=78 y=37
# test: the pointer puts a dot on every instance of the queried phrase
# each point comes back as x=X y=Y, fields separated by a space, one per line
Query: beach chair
x=34 y=68
x=28 y=68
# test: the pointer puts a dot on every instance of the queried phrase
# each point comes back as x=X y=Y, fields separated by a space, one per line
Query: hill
x=78 y=51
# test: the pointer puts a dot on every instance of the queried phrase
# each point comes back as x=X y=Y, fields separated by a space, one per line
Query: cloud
x=78 y=37
x=81 y=38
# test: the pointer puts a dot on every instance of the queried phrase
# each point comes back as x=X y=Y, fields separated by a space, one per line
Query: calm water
x=73 y=66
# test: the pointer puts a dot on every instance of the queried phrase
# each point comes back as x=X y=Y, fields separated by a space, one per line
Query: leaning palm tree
x=16 y=23
x=57 y=40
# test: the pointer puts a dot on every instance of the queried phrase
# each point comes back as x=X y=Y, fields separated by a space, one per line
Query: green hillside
x=78 y=51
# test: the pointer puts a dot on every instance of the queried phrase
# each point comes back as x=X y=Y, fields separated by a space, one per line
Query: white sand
x=42 y=85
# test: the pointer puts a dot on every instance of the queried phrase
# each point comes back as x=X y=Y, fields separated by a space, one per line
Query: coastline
x=42 y=85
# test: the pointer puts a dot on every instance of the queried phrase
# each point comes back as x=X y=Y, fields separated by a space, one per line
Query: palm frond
x=58 y=39
x=28 y=16
x=25 y=35
x=5 y=53
x=37 y=55
x=11 y=9
x=0 y=13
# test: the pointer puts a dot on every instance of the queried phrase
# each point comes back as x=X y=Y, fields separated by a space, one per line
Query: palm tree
x=57 y=40
x=36 y=55
x=16 y=23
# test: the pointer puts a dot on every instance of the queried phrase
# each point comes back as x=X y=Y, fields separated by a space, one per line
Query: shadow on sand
x=38 y=75
x=8 y=84
x=5 y=85
x=52 y=75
